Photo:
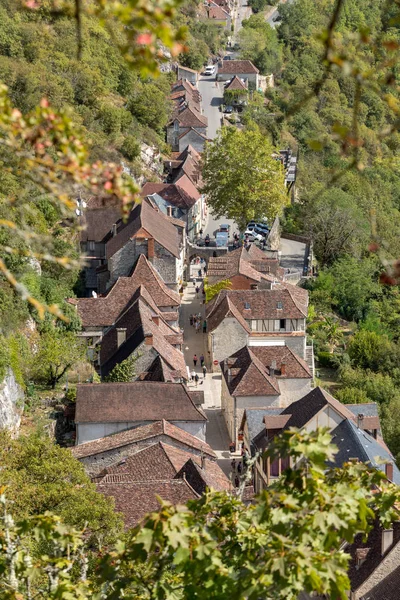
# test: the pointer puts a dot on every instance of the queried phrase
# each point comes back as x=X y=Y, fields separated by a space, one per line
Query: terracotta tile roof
x=153 y=222
x=185 y=84
x=255 y=305
x=224 y=309
x=136 y=499
x=251 y=373
x=137 y=401
x=139 y=434
x=189 y=117
x=182 y=193
x=217 y=12
x=202 y=475
x=236 y=84
x=276 y=421
x=187 y=69
x=104 y=311
x=139 y=323
x=195 y=132
x=240 y=262
x=237 y=67
x=98 y=218
x=298 y=295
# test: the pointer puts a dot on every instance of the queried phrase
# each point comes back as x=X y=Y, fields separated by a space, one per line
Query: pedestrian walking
x=239 y=467
x=205 y=270
x=233 y=465
x=196 y=378
x=194 y=281
x=204 y=371
x=199 y=272
x=197 y=327
x=237 y=481
x=193 y=374
x=201 y=360
x=191 y=320
x=197 y=291
x=204 y=326
x=195 y=359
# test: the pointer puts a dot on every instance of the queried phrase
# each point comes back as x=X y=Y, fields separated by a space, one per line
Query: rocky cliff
x=11 y=402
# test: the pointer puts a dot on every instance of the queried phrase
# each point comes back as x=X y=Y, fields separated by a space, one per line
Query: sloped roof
x=195 y=132
x=136 y=499
x=257 y=305
x=217 y=12
x=136 y=401
x=224 y=309
x=183 y=193
x=240 y=262
x=236 y=84
x=104 y=311
x=139 y=434
x=237 y=67
x=188 y=117
x=139 y=323
x=254 y=417
x=204 y=475
x=153 y=222
x=353 y=442
x=98 y=218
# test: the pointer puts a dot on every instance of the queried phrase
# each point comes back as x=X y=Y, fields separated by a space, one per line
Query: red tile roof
x=188 y=117
x=248 y=371
x=240 y=262
x=182 y=193
x=153 y=222
x=98 y=218
x=136 y=499
x=139 y=434
x=218 y=13
x=137 y=401
x=237 y=67
x=104 y=311
x=236 y=84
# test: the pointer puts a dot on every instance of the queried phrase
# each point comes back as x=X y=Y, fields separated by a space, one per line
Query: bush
x=352 y=395
x=130 y=147
x=326 y=359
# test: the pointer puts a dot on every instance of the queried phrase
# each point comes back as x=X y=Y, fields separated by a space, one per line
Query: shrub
x=326 y=359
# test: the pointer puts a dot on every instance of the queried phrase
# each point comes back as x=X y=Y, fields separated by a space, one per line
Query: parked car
x=251 y=225
x=228 y=110
x=261 y=230
x=209 y=70
x=227 y=57
x=252 y=235
x=224 y=228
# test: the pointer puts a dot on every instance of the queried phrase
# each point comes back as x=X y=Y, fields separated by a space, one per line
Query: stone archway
x=206 y=252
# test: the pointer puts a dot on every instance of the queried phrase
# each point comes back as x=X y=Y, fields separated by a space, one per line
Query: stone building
x=243 y=69
x=103 y=409
x=187 y=127
x=219 y=15
x=258 y=377
x=355 y=430
x=273 y=317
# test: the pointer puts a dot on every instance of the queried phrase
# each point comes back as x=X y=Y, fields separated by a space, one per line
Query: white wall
x=328 y=417
x=293 y=389
x=86 y=432
x=227 y=339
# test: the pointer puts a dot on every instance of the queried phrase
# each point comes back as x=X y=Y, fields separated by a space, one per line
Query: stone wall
x=121 y=263
x=193 y=139
x=274 y=236
x=293 y=389
x=11 y=402
x=226 y=339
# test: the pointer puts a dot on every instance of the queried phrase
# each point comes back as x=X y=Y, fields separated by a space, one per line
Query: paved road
x=293 y=254
x=271 y=18
x=211 y=100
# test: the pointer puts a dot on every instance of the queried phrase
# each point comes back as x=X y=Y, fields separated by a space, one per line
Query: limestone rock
x=11 y=402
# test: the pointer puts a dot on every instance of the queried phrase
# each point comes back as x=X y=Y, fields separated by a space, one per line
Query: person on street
x=191 y=320
x=205 y=270
x=197 y=326
x=196 y=378
x=233 y=465
x=193 y=375
x=204 y=326
x=197 y=291
x=237 y=481
x=199 y=272
x=195 y=360
x=239 y=467
x=204 y=371
x=201 y=360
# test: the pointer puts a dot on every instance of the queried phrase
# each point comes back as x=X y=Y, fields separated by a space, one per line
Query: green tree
x=124 y=371
x=40 y=476
x=58 y=351
x=213 y=290
x=370 y=350
x=259 y=43
x=289 y=540
x=149 y=106
x=242 y=180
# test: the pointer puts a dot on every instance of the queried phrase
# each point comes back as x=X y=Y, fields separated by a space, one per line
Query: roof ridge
x=262 y=369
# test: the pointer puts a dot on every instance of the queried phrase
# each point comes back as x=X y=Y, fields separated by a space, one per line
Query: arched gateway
x=206 y=252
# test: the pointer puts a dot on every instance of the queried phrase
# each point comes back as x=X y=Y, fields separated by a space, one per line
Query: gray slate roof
x=370 y=409
x=356 y=443
x=255 y=419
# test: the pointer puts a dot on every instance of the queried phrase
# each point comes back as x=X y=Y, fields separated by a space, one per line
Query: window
x=176 y=125
x=279 y=305
x=282 y=324
x=91 y=245
x=247 y=305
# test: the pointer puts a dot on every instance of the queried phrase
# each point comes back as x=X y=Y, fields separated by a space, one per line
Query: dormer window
x=247 y=305
x=279 y=305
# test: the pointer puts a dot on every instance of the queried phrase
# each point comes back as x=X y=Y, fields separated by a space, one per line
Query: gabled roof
x=104 y=311
x=138 y=320
x=144 y=217
x=256 y=305
x=240 y=262
x=194 y=132
x=187 y=117
x=237 y=67
x=224 y=309
x=182 y=193
x=136 y=499
x=201 y=475
x=236 y=84
x=137 y=401
x=254 y=417
x=98 y=218
x=251 y=373
x=217 y=12
x=353 y=442
x=139 y=434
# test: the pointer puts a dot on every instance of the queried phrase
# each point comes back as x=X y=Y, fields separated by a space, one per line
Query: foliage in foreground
x=289 y=540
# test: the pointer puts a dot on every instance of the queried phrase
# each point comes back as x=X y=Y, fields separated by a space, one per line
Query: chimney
x=121 y=336
x=254 y=286
x=389 y=471
x=156 y=319
x=169 y=211
x=360 y=420
x=150 y=249
x=229 y=376
x=148 y=339
x=283 y=369
x=387 y=540
x=114 y=230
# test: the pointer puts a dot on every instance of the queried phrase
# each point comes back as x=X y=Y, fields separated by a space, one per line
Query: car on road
x=252 y=235
x=228 y=110
x=251 y=225
x=261 y=229
x=227 y=57
x=224 y=228
x=209 y=70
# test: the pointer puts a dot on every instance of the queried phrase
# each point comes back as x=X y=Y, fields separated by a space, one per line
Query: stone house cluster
x=188 y=126
x=144 y=440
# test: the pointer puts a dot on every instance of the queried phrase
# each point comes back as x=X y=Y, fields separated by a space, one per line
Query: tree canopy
x=242 y=179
